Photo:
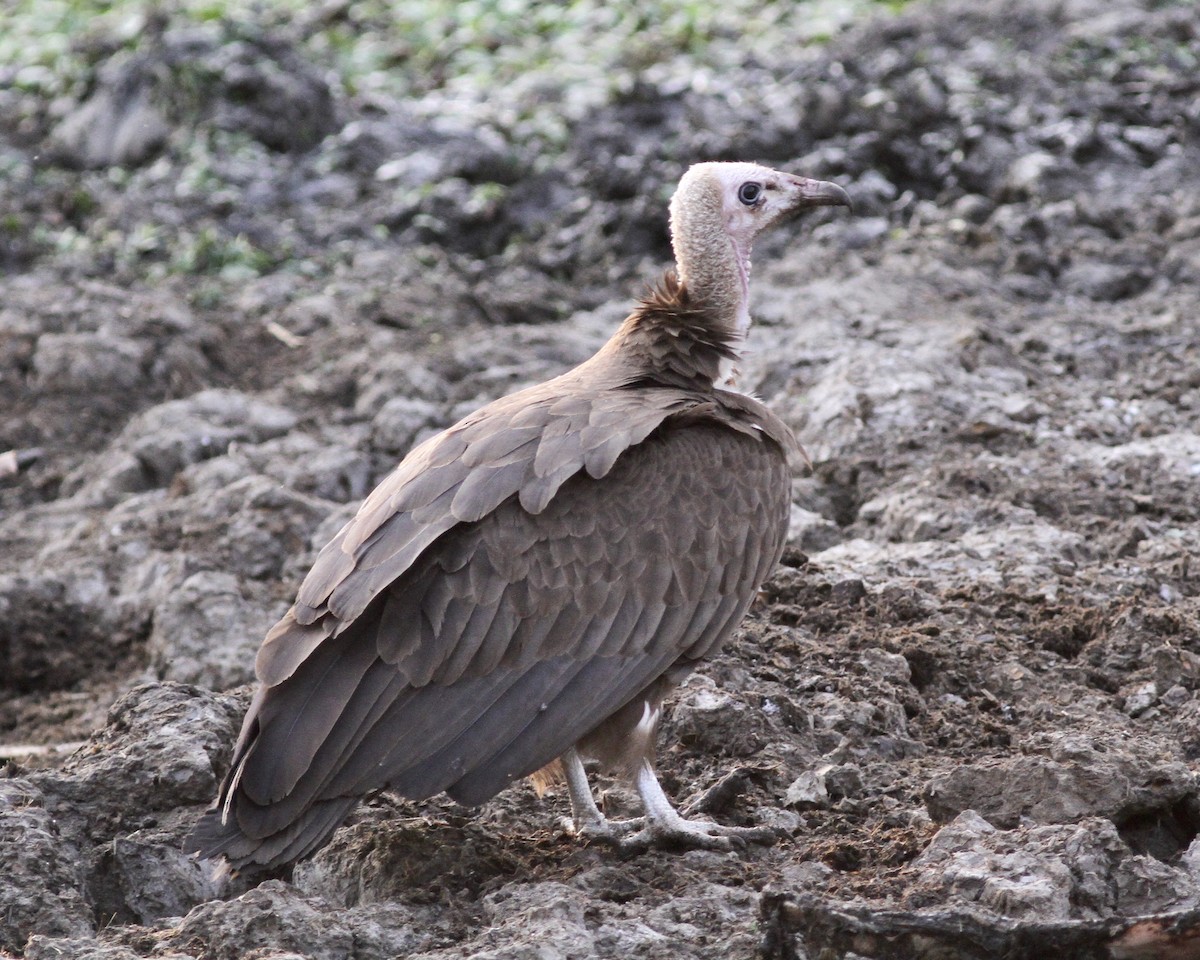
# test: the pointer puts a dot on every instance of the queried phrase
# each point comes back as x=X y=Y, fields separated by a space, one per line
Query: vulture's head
x=717 y=211
x=743 y=199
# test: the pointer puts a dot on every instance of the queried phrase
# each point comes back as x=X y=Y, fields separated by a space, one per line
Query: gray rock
x=1026 y=174
x=268 y=89
x=857 y=718
x=1079 y=871
x=118 y=125
x=811 y=532
x=399 y=423
x=893 y=667
x=392 y=378
x=42 y=883
x=145 y=876
x=329 y=469
x=206 y=632
x=276 y=920
x=380 y=858
x=1150 y=140
x=159 y=750
x=532 y=921
x=824 y=786
x=81 y=363
x=415 y=151
x=973 y=208
x=273 y=918
x=1013 y=881
x=50 y=636
x=1141 y=698
x=807 y=790
x=423 y=291
x=523 y=295
x=309 y=314
x=256 y=526
x=1080 y=780
x=1181 y=261
x=159 y=443
x=872 y=192
x=63 y=948
x=864 y=233
x=1105 y=281
x=713 y=721
x=843 y=781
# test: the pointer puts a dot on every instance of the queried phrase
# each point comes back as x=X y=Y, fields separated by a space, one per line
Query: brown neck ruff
x=674 y=338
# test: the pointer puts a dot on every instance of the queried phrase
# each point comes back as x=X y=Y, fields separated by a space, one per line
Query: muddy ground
x=235 y=291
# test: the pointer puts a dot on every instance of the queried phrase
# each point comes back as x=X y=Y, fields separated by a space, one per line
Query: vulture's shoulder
x=525 y=445
x=749 y=415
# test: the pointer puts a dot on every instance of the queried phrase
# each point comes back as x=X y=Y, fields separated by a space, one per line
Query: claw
x=615 y=833
x=678 y=835
x=662 y=827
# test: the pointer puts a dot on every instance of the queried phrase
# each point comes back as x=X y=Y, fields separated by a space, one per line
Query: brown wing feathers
x=515 y=636
x=545 y=440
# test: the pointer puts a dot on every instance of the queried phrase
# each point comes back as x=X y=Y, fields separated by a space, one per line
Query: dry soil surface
x=968 y=698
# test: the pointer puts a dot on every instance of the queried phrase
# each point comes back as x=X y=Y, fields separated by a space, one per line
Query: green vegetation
x=527 y=68
x=424 y=45
x=232 y=258
x=416 y=46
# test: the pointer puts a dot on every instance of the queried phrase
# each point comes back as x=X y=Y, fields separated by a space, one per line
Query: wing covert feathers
x=572 y=549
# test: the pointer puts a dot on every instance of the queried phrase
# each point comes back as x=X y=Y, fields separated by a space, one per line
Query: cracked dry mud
x=969 y=695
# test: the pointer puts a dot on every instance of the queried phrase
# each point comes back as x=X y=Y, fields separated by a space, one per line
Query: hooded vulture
x=521 y=592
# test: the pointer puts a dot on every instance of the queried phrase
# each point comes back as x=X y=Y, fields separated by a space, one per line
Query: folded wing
x=462 y=632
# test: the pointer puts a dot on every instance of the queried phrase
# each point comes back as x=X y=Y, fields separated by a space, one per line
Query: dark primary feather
x=517 y=580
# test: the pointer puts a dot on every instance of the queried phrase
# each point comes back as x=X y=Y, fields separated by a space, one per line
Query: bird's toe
x=613 y=832
x=683 y=834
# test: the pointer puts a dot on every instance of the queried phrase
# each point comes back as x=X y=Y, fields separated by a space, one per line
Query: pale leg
x=666 y=828
x=586 y=818
x=661 y=827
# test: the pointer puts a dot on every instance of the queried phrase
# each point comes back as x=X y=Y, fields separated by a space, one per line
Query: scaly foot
x=662 y=827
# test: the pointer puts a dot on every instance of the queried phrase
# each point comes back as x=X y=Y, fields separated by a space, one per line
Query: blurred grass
x=413 y=47
x=528 y=68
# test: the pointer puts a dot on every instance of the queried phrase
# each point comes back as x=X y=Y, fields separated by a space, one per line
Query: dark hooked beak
x=821 y=193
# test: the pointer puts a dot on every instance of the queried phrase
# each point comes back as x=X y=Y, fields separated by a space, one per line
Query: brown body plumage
x=526 y=585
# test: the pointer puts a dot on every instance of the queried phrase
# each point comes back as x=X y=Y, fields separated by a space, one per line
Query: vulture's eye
x=749 y=193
